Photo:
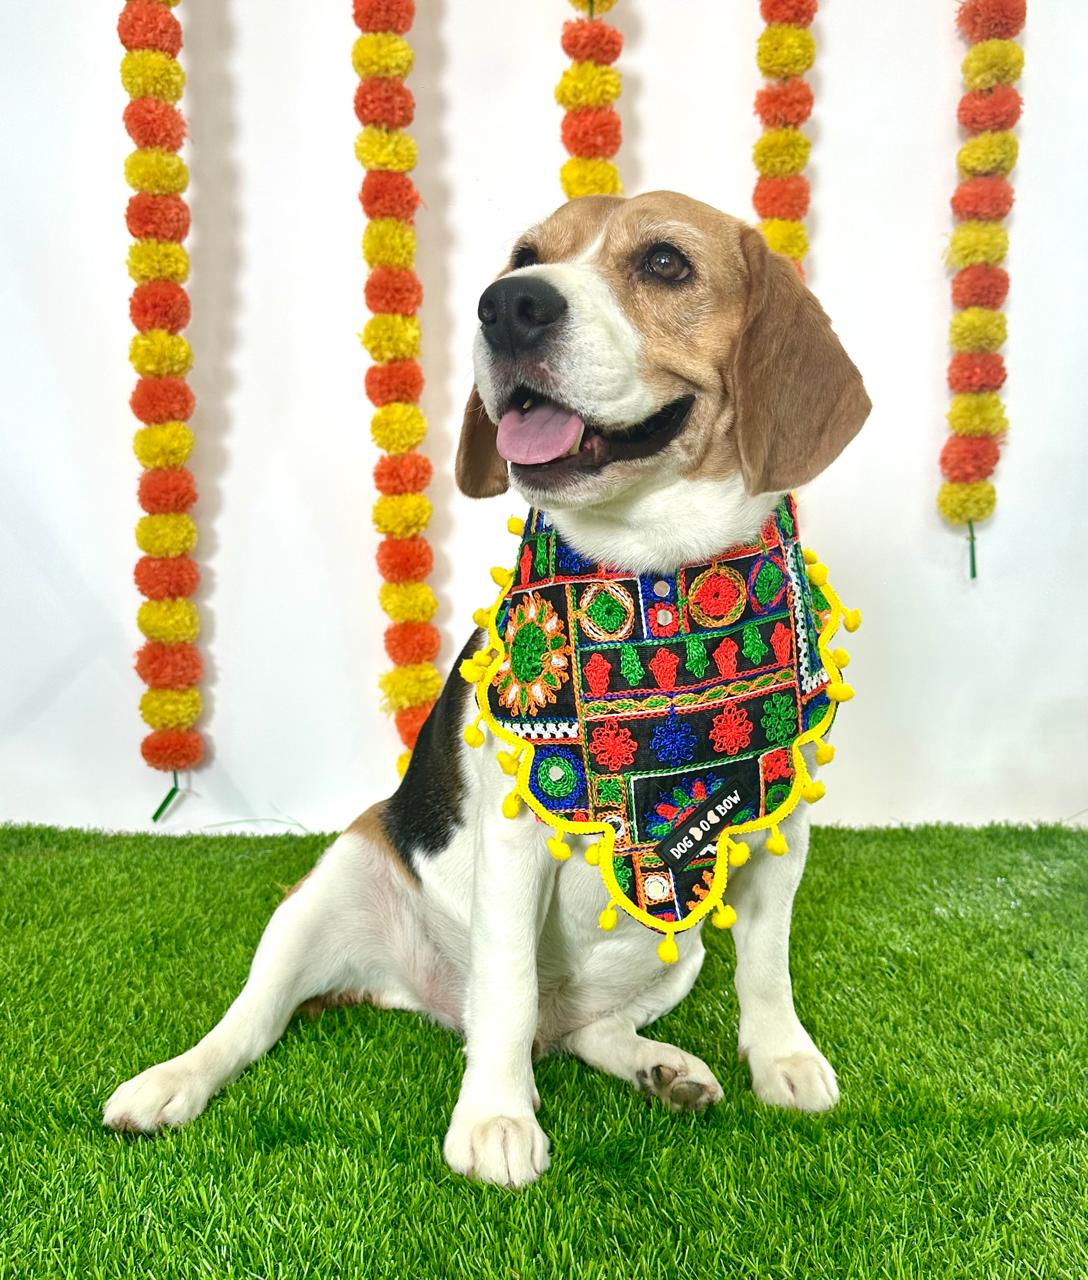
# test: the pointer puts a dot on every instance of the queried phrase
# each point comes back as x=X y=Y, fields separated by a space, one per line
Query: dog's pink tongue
x=541 y=434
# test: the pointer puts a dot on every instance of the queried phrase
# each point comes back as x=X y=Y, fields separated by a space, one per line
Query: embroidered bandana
x=663 y=713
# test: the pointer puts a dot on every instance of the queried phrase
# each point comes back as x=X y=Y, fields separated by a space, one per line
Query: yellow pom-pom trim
x=598 y=6
x=511 y=805
x=157 y=260
x=169 y=535
x=501 y=577
x=156 y=171
x=158 y=354
x=150 y=73
x=580 y=176
x=388 y=242
x=470 y=672
x=389 y=149
x=783 y=51
x=781 y=152
x=396 y=428
x=724 y=916
x=987 y=153
x=960 y=503
x=410 y=685
x=402 y=515
x=817 y=574
x=825 y=753
x=840 y=691
x=516 y=526
x=667 y=950
x=391 y=337
x=607 y=919
x=776 y=844
x=992 y=62
x=851 y=619
x=977 y=413
x=169 y=621
x=809 y=556
x=403 y=761
x=473 y=735
x=170 y=708
x=559 y=849
x=811 y=792
x=739 y=853
x=381 y=53
x=508 y=762
x=166 y=444
x=974 y=242
x=783 y=235
x=840 y=658
x=977 y=329
x=592 y=854
x=409 y=602
x=588 y=84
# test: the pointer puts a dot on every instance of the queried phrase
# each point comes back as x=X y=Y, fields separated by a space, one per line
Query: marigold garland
x=988 y=111
x=384 y=106
x=158 y=220
x=784 y=52
x=588 y=88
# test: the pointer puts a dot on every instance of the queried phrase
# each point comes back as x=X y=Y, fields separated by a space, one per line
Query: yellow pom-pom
x=810 y=556
x=157 y=260
x=593 y=853
x=739 y=853
x=974 y=242
x=381 y=53
x=781 y=152
x=158 y=354
x=481 y=618
x=511 y=805
x=992 y=62
x=987 y=153
x=388 y=242
x=825 y=753
x=977 y=413
x=516 y=525
x=851 y=619
x=839 y=691
x=398 y=428
x=724 y=916
x=667 y=950
x=813 y=791
x=391 y=337
x=607 y=919
x=166 y=444
x=401 y=515
x=558 y=848
x=388 y=149
x=173 y=534
x=840 y=658
x=783 y=51
x=161 y=173
x=501 y=577
x=597 y=6
x=776 y=844
x=150 y=73
x=817 y=574
x=474 y=736
x=170 y=708
x=410 y=685
x=482 y=658
x=403 y=761
x=409 y=602
x=977 y=329
x=585 y=176
x=783 y=235
x=587 y=84
x=169 y=621
x=959 y=503
x=470 y=672
x=508 y=762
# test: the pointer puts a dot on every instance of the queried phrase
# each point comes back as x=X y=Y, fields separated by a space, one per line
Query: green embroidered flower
x=556 y=777
x=753 y=646
x=768 y=582
x=606 y=611
x=695 y=658
x=779 y=718
x=621 y=868
x=527 y=653
x=609 y=791
x=785 y=520
x=631 y=667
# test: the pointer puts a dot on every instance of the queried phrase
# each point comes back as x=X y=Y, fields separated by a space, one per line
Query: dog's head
x=634 y=341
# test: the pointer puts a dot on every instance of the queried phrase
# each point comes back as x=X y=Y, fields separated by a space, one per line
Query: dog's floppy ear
x=479 y=470
x=798 y=398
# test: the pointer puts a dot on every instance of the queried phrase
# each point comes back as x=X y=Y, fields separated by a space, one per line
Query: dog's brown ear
x=479 y=470
x=798 y=398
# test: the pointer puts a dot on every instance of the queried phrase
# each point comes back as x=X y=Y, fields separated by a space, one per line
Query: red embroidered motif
x=525 y=565
x=725 y=657
x=597 y=672
x=782 y=644
x=612 y=745
x=776 y=765
x=664 y=619
x=664 y=665
x=731 y=730
x=717 y=596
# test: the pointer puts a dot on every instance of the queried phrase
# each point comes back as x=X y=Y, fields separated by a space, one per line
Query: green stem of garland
x=971 y=545
x=166 y=801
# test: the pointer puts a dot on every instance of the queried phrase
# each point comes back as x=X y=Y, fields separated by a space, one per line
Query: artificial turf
x=944 y=972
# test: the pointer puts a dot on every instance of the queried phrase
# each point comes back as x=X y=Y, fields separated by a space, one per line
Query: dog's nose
x=517 y=312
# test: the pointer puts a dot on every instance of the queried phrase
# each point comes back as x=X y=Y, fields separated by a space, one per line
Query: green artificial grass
x=943 y=971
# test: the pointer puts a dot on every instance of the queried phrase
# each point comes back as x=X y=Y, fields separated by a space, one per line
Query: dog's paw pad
x=802 y=1081
x=683 y=1083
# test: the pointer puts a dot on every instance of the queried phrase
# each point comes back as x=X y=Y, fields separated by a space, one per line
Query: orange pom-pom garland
x=591 y=131
x=157 y=218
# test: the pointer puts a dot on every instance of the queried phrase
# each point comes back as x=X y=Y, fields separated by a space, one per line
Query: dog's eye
x=524 y=256
x=666 y=262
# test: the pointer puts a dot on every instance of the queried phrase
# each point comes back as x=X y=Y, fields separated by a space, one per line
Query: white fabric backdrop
x=972 y=697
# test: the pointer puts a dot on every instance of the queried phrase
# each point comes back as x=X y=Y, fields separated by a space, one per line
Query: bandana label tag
x=698 y=835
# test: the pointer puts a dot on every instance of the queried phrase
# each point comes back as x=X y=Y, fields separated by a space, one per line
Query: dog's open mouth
x=545 y=440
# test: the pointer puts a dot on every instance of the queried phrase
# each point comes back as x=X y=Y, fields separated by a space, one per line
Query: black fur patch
x=422 y=815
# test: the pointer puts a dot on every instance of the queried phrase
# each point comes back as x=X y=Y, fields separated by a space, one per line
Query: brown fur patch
x=371 y=827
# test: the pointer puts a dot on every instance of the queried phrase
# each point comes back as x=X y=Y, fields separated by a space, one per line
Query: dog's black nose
x=517 y=312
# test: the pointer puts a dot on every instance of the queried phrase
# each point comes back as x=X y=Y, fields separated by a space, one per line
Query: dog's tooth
x=527 y=405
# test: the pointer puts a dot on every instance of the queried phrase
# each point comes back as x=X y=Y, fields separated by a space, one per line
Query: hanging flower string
x=784 y=52
x=988 y=111
x=586 y=91
x=158 y=220
x=384 y=105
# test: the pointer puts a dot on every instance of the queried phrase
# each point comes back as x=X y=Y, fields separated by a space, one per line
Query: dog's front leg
x=494 y=1135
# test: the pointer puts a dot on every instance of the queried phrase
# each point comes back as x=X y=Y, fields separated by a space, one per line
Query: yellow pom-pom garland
x=167 y=444
x=157 y=260
x=398 y=428
x=587 y=91
x=158 y=354
x=169 y=621
x=784 y=50
x=389 y=242
x=149 y=73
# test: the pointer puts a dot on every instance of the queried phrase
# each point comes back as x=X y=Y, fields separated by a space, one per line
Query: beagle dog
x=703 y=382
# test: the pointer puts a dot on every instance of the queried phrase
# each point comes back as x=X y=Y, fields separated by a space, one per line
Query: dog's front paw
x=169 y=1094
x=510 y=1151
x=802 y=1081
x=680 y=1080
